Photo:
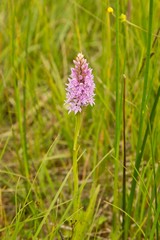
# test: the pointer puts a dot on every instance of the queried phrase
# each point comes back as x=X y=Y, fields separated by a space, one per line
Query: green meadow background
x=38 y=41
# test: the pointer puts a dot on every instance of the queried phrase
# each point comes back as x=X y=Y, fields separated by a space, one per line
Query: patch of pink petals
x=80 y=86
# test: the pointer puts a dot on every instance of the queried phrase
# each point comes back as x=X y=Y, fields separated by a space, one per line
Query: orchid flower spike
x=80 y=86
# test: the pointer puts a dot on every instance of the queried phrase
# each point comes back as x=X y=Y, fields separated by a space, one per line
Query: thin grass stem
x=117 y=133
x=124 y=158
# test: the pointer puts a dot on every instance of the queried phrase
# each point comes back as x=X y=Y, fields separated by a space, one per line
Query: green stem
x=75 y=164
x=117 y=133
x=142 y=114
x=124 y=159
x=24 y=163
x=24 y=123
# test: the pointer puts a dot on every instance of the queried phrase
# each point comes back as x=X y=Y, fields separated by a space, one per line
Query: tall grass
x=116 y=187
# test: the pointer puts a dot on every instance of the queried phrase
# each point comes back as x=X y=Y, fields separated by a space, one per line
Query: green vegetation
x=60 y=181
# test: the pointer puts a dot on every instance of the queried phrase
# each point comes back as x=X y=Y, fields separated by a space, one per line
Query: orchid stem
x=75 y=165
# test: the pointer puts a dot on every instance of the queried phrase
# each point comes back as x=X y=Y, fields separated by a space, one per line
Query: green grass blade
x=142 y=116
